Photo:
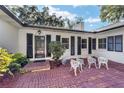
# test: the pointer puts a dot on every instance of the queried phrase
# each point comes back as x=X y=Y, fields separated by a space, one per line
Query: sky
x=90 y=14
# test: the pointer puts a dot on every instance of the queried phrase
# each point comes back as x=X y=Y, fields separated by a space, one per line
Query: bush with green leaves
x=56 y=49
x=11 y=62
x=14 y=67
x=20 y=59
x=5 y=60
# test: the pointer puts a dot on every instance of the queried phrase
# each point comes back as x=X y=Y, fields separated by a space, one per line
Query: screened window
x=58 y=38
x=94 y=44
x=84 y=43
x=111 y=43
x=118 y=43
x=65 y=42
x=102 y=43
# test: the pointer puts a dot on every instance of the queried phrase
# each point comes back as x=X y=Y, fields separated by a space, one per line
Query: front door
x=39 y=46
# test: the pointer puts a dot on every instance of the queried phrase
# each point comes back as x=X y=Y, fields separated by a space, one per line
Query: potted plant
x=57 y=51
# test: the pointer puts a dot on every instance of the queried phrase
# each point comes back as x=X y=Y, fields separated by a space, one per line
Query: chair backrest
x=64 y=60
x=74 y=63
x=89 y=58
x=81 y=61
x=102 y=60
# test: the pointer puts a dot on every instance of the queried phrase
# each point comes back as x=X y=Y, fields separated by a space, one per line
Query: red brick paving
x=37 y=66
x=60 y=77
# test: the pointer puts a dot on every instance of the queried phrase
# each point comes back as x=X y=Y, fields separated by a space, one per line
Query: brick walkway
x=60 y=77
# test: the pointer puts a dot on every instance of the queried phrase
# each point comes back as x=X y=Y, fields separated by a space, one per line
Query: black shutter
x=72 y=45
x=48 y=40
x=79 y=45
x=58 y=38
x=29 y=45
x=89 y=46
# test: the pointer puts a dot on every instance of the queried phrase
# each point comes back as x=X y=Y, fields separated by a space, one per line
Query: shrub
x=20 y=59
x=56 y=49
x=11 y=62
x=14 y=67
x=5 y=60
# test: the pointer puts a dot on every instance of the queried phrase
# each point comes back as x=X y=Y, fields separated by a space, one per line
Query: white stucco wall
x=53 y=33
x=8 y=36
x=112 y=55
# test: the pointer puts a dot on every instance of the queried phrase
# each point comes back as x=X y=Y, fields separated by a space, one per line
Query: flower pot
x=52 y=64
x=58 y=63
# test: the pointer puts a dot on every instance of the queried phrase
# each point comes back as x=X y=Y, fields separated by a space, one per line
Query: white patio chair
x=91 y=61
x=102 y=60
x=80 y=62
x=64 y=60
x=74 y=66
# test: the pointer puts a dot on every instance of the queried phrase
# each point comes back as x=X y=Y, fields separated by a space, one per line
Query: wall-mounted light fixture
x=39 y=32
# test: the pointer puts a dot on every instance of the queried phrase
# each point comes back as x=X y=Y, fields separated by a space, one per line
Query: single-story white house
x=33 y=41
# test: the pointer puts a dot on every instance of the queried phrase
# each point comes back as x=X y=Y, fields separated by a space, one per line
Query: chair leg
x=95 y=65
x=99 y=65
x=81 y=68
x=107 y=66
x=89 y=66
x=75 y=71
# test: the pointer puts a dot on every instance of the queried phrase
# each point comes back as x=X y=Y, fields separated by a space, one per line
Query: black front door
x=89 y=46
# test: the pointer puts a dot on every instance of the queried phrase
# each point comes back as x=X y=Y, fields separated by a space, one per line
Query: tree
x=79 y=20
x=31 y=15
x=112 y=13
x=73 y=22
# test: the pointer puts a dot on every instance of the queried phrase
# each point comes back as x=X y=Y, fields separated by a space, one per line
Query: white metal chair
x=91 y=61
x=80 y=62
x=64 y=60
x=102 y=60
x=74 y=66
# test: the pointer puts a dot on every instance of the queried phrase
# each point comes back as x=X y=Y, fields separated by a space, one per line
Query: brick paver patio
x=60 y=77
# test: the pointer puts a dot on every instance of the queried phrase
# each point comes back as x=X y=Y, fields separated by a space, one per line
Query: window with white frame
x=115 y=43
x=102 y=43
x=119 y=43
x=94 y=43
x=65 y=42
x=84 y=43
x=111 y=43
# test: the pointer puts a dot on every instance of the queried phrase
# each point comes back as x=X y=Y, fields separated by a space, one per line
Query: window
x=84 y=43
x=58 y=38
x=111 y=43
x=102 y=43
x=118 y=43
x=65 y=42
x=94 y=44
